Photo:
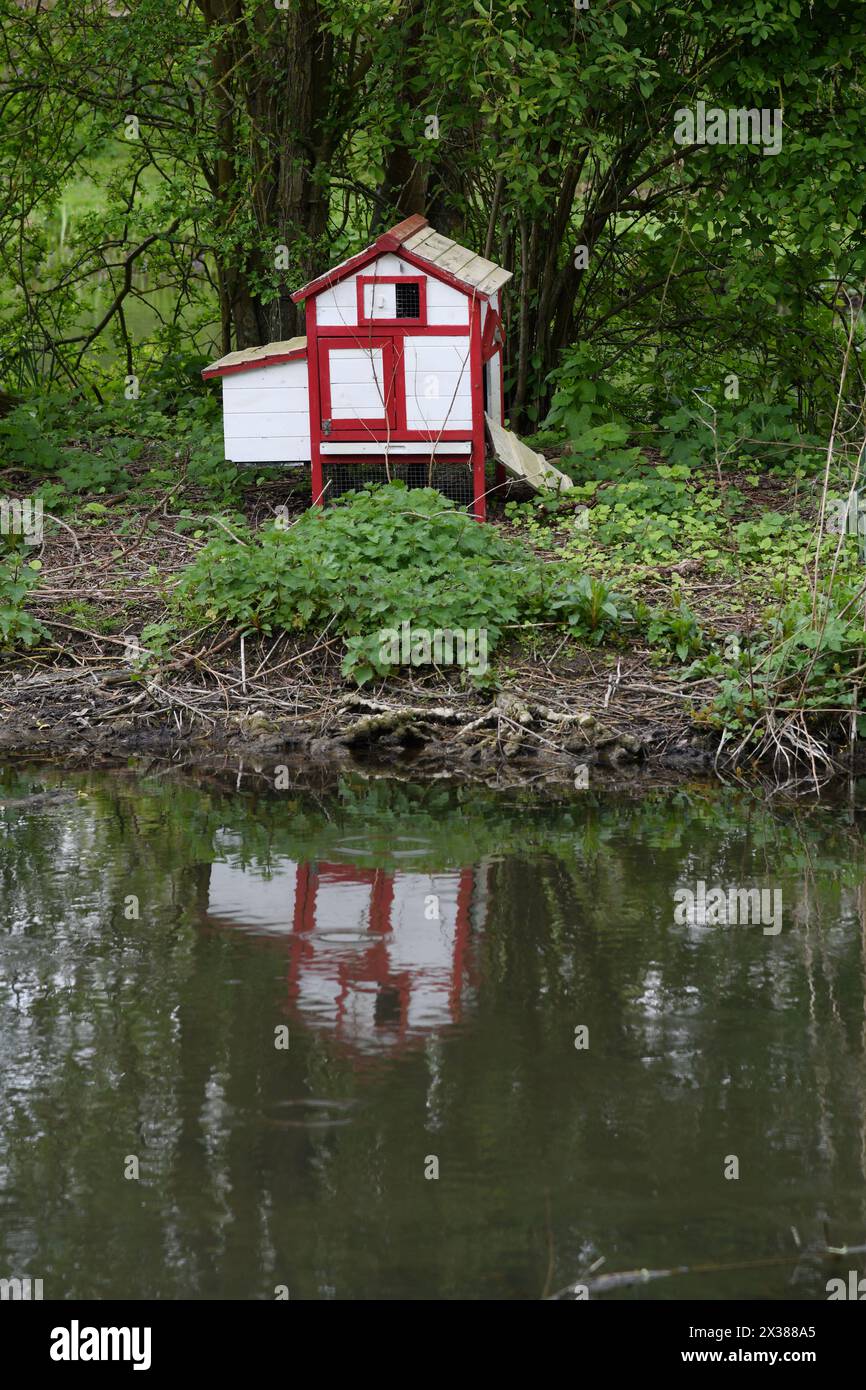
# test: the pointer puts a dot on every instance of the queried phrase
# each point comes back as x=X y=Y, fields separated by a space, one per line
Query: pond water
x=288 y=1009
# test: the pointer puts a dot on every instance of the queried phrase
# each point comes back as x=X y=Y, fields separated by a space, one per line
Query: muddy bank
x=89 y=717
x=284 y=702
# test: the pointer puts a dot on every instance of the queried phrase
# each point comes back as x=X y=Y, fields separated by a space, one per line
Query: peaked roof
x=416 y=241
x=289 y=350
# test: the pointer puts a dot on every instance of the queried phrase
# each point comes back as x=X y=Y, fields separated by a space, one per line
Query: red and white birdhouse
x=401 y=362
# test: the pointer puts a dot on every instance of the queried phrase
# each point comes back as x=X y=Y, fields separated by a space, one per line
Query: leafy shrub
x=33 y=438
x=70 y=446
x=589 y=607
x=18 y=628
x=587 y=408
x=367 y=562
x=30 y=442
x=676 y=630
x=594 y=442
x=734 y=434
x=812 y=664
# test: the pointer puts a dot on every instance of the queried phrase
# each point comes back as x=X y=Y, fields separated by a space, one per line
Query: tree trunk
x=404 y=189
x=271 y=83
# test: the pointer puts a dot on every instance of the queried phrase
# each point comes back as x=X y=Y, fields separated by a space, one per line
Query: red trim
x=369 y=964
x=305 y=899
x=401 y=329
x=388 y=243
x=396 y=458
x=479 y=502
x=313 y=393
x=345 y=873
x=296 y=356
x=393 y=406
x=302 y=889
x=338 y=273
x=489 y=345
x=420 y=280
x=398 y=384
x=462 y=932
x=400 y=434
x=381 y=900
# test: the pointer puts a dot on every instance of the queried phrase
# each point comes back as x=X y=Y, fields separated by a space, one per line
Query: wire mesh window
x=408 y=300
x=453 y=480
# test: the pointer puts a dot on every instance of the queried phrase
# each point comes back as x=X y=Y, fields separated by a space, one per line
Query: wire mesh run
x=453 y=480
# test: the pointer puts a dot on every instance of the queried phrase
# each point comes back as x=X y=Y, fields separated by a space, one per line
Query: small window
x=392 y=300
x=408 y=300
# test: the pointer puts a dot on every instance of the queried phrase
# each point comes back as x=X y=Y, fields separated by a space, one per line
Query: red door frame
x=394 y=404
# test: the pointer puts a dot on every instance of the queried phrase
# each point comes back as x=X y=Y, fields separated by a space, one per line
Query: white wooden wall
x=493 y=369
x=438 y=383
x=266 y=414
x=338 y=307
x=357 y=381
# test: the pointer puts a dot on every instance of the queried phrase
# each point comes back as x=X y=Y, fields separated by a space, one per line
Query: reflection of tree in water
x=155 y=1036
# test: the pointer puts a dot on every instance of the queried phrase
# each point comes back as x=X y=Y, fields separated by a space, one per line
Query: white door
x=357 y=386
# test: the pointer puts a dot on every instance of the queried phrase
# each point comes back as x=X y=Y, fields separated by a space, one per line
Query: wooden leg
x=479 y=481
x=316 y=470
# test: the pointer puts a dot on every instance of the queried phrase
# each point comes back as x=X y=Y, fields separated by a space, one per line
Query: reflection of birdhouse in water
x=375 y=956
